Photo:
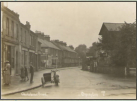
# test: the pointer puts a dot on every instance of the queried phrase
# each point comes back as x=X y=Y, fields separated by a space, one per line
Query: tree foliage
x=81 y=50
x=107 y=41
x=95 y=47
x=124 y=52
x=121 y=45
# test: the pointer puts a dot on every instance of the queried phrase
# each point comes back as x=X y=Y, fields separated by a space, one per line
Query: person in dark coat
x=31 y=73
x=91 y=65
x=6 y=75
x=26 y=73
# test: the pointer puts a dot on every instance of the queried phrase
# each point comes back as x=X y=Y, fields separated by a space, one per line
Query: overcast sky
x=73 y=22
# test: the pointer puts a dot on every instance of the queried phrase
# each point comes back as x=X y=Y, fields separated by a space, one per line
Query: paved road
x=78 y=84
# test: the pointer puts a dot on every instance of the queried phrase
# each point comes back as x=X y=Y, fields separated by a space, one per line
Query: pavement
x=17 y=85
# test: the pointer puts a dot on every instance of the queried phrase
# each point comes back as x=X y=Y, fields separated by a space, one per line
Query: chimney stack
x=40 y=34
x=61 y=42
x=28 y=25
x=56 y=41
x=47 y=37
x=64 y=43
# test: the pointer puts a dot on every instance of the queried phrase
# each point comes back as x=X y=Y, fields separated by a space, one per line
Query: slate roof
x=45 y=43
x=113 y=26
x=66 y=48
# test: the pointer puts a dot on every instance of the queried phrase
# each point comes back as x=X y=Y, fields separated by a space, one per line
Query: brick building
x=68 y=57
x=21 y=46
x=50 y=52
x=10 y=38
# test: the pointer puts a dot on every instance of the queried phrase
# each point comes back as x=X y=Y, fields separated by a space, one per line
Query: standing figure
x=6 y=75
x=26 y=73
x=95 y=64
x=31 y=73
x=91 y=65
x=22 y=73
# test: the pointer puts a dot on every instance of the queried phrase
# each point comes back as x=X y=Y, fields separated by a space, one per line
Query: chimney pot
x=28 y=24
x=47 y=37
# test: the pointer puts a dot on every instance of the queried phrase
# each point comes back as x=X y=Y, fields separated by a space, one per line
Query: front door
x=9 y=55
x=17 y=61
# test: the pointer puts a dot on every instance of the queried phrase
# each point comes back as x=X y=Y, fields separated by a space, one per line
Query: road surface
x=78 y=84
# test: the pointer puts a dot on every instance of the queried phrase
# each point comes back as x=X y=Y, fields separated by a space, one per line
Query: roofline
x=56 y=45
x=63 y=49
x=49 y=47
x=23 y=26
x=109 y=23
x=113 y=23
x=101 y=29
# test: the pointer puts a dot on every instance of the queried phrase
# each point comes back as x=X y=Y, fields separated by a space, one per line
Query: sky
x=73 y=22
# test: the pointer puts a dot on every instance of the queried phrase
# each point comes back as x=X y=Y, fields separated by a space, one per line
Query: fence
x=132 y=71
x=118 y=71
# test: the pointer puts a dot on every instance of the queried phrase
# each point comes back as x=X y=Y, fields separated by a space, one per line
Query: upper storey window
x=7 y=26
x=17 y=31
x=12 y=28
x=21 y=35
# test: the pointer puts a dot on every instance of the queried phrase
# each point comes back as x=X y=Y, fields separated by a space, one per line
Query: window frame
x=12 y=28
x=7 y=26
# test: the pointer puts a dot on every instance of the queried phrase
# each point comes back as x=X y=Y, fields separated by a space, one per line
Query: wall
x=10 y=38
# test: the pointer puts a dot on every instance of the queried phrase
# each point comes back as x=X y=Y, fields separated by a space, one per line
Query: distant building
x=50 y=52
x=69 y=57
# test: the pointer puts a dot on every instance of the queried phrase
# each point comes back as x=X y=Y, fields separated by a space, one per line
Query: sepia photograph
x=68 y=50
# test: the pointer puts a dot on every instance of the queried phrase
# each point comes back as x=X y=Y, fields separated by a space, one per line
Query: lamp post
x=46 y=52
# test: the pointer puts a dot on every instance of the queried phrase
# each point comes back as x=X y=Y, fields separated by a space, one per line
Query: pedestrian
x=26 y=73
x=22 y=74
x=91 y=65
x=3 y=71
x=7 y=78
x=31 y=73
x=95 y=64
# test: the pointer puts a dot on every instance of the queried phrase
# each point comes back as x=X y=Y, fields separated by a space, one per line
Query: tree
x=124 y=52
x=121 y=45
x=81 y=50
x=94 y=48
